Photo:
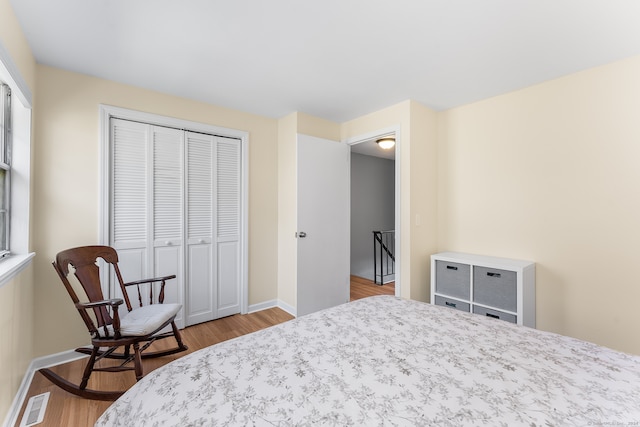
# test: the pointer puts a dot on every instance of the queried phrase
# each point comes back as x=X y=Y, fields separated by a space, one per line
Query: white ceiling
x=335 y=59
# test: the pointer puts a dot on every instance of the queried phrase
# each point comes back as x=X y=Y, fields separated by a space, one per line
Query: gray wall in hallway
x=372 y=207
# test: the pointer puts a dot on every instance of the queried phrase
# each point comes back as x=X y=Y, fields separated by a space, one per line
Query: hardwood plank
x=362 y=288
x=67 y=409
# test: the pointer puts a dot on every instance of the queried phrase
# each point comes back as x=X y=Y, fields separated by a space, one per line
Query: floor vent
x=34 y=414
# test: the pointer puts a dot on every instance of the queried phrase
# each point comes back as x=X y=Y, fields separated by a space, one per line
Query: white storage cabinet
x=500 y=288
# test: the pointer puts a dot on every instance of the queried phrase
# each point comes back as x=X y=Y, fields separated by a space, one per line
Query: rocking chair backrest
x=83 y=259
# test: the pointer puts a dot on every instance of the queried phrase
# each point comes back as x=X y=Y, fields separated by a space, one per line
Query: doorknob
x=301 y=235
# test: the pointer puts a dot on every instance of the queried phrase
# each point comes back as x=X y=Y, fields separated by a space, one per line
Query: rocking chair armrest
x=102 y=316
x=115 y=302
x=155 y=279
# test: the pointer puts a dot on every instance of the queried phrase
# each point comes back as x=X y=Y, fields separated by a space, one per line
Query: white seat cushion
x=144 y=320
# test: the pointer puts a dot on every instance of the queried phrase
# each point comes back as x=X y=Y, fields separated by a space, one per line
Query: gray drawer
x=450 y=302
x=494 y=287
x=495 y=314
x=453 y=278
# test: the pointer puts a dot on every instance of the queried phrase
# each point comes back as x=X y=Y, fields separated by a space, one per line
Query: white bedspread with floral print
x=384 y=361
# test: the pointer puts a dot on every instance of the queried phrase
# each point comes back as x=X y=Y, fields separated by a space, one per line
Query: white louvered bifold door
x=129 y=229
x=200 y=290
x=167 y=214
x=176 y=209
x=228 y=223
x=146 y=206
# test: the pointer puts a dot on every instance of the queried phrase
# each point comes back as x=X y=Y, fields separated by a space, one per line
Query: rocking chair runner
x=111 y=329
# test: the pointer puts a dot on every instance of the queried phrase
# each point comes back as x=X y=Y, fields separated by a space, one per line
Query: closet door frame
x=106 y=112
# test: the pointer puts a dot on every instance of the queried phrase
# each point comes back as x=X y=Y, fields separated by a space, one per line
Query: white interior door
x=323 y=224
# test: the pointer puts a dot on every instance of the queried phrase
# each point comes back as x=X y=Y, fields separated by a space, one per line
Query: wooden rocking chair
x=108 y=328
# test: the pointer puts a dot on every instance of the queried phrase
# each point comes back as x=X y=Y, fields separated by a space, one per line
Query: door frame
x=106 y=112
x=398 y=223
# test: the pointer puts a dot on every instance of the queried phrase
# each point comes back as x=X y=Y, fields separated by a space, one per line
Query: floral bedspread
x=385 y=361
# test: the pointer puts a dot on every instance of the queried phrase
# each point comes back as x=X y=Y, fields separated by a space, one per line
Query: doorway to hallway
x=374 y=206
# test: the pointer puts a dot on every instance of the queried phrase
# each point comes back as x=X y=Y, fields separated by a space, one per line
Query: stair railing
x=383 y=255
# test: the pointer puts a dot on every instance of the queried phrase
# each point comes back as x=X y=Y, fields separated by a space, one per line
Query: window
x=5 y=167
x=15 y=169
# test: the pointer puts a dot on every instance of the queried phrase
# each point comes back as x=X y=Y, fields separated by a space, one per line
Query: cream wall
x=416 y=158
x=14 y=41
x=67 y=181
x=320 y=128
x=423 y=194
x=550 y=174
x=16 y=296
x=16 y=338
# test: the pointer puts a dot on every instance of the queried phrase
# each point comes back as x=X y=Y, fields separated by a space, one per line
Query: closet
x=175 y=208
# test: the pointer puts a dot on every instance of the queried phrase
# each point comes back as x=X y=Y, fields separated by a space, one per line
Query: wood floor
x=362 y=288
x=65 y=409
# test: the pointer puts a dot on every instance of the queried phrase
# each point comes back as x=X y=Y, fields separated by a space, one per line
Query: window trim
x=20 y=192
x=5 y=165
x=12 y=265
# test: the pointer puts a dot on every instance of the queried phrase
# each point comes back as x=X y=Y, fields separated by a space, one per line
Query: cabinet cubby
x=500 y=288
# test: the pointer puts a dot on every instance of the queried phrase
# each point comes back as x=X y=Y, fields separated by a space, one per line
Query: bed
x=389 y=361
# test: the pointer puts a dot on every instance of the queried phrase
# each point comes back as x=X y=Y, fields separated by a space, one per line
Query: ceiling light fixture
x=386 y=143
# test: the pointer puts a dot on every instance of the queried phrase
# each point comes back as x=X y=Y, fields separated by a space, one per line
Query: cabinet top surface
x=482 y=260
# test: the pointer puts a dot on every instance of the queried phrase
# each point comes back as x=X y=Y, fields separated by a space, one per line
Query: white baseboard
x=271 y=304
x=38 y=363
x=263 y=306
x=286 y=307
